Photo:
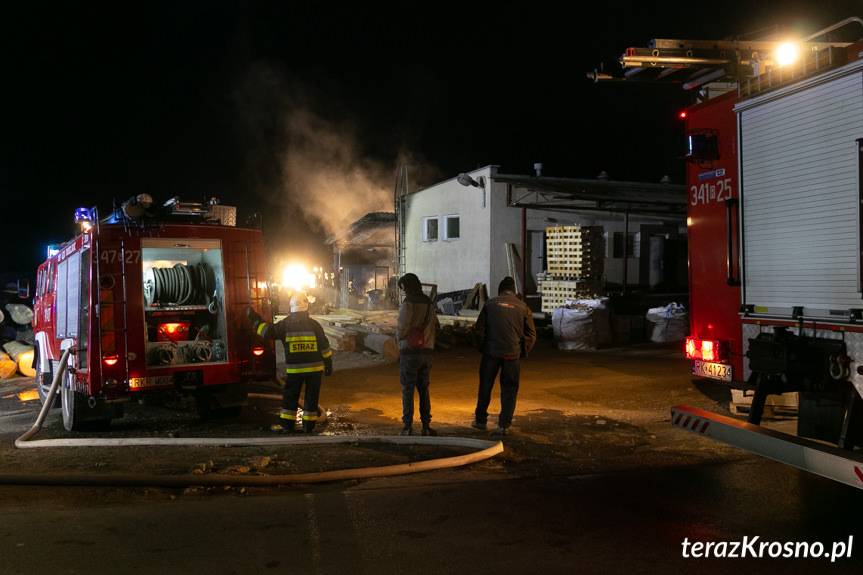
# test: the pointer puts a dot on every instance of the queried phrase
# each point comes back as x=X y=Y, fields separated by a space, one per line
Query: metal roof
x=594 y=195
x=365 y=230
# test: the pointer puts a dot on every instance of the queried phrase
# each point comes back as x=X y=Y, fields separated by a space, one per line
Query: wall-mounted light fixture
x=466 y=180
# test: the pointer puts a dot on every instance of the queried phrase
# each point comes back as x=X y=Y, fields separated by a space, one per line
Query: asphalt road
x=593 y=479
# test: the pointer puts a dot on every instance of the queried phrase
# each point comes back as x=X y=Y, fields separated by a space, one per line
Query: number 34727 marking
x=707 y=192
x=116 y=256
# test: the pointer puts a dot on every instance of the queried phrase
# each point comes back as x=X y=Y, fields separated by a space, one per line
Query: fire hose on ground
x=486 y=449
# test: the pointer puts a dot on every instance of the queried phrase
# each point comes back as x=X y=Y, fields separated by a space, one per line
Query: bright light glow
x=682 y=115
x=786 y=54
x=28 y=395
x=297 y=276
x=258 y=351
x=690 y=347
x=173 y=331
x=111 y=360
x=705 y=349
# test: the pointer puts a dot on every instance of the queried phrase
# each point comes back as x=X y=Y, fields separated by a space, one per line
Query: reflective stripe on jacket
x=306 y=344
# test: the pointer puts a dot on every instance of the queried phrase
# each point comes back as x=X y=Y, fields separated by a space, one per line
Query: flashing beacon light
x=682 y=115
x=84 y=218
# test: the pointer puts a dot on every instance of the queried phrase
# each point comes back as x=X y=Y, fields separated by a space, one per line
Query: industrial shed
x=484 y=225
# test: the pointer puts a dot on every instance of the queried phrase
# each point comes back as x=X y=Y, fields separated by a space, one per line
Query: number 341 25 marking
x=116 y=256
x=707 y=192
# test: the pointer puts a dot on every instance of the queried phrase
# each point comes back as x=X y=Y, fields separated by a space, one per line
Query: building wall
x=456 y=264
x=479 y=254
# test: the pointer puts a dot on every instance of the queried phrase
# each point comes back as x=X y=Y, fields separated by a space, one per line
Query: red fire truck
x=775 y=234
x=152 y=299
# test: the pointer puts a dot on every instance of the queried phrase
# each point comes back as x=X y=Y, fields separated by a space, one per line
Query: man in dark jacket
x=504 y=333
x=307 y=355
x=415 y=351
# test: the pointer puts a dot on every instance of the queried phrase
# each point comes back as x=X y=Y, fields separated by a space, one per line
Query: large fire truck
x=152 y=299
x=775 y=232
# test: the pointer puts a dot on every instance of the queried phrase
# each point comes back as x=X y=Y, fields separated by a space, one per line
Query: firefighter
x=308 y=356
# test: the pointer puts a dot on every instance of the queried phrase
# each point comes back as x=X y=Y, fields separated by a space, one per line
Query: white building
x=475 y=229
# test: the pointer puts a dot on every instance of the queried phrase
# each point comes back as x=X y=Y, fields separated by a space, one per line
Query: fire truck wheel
x=42 y=389
x=71 y=408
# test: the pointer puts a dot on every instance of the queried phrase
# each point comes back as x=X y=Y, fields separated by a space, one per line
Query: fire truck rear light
x=111 y=360
x=258 y=351
x=706 y=349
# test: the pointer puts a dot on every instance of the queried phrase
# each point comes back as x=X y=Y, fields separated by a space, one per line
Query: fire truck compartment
x=184 y=301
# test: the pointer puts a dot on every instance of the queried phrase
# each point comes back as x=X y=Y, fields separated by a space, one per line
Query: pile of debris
x=352 y=330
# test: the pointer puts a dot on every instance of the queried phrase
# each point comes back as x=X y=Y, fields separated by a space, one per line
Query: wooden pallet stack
x=576 y=258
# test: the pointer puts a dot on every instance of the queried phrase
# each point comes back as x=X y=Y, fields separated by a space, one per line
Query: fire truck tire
x=41 y=388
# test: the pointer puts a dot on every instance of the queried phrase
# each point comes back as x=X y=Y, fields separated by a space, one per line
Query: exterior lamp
x=786 y=54
x=466 y=180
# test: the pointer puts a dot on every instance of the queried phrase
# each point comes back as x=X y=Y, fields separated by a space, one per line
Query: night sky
x=304 y=110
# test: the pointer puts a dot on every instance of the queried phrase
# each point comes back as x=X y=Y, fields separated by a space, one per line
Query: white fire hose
x=486 y=449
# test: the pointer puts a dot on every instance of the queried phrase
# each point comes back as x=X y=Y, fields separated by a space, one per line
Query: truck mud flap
x=824 y=460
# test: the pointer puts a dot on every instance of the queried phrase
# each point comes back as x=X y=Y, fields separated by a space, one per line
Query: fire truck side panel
x=713 y=255
x=801 y=197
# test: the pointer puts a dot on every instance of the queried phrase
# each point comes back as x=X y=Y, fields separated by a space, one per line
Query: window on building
x=430 y=225
x=632 y=245
x=451 y=227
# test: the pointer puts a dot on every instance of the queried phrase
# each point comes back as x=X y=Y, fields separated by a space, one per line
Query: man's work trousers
x=291 y=397
x=414 y=375
x=509 y=369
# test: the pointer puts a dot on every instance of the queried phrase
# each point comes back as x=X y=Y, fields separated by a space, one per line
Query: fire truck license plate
x=158 y=381
x=720 y=371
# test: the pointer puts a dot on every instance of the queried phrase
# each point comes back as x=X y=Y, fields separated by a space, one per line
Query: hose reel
x=180 y=285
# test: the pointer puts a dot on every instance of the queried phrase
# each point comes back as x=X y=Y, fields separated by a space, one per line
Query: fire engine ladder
x=824 y=460
x=112 y=311
x=251 y=275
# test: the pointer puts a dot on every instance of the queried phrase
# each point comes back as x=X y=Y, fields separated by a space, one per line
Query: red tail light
x=111 y=360
x=707 y=349
x=258 y=351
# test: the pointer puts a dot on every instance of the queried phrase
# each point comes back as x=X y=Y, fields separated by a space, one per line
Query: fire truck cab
x=152 y=299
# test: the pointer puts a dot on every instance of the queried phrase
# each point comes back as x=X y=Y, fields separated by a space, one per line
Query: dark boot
x=284 y=426
x=308 y=426
x=428 y=430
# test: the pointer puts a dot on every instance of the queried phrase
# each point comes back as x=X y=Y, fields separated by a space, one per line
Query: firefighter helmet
x=299 y=302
